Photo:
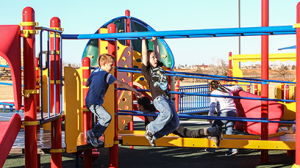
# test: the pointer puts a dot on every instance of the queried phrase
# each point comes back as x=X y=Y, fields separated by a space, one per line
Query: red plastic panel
x=11 y=52
x=8 y=134
x=252 y=109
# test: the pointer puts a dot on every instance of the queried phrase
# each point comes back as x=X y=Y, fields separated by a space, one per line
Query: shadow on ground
x=169 y=157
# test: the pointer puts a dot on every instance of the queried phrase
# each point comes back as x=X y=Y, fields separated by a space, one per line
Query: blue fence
x=8 y=106
x=190 y=103
x=199 y=104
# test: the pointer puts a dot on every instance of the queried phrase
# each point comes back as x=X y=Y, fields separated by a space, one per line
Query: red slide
x=8 y=134
x=252 y=109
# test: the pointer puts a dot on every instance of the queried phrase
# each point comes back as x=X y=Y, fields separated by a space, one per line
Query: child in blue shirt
x=98 y=84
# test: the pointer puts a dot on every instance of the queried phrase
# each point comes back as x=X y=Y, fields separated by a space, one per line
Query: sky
x=85 y=17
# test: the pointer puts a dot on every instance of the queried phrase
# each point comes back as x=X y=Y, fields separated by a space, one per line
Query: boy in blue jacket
x=98 y=84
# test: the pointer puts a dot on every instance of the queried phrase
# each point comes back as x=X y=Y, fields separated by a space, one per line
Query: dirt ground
x=6 y=92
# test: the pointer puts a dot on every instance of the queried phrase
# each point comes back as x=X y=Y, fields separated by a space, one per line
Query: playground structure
x=78 y=119
x=285 y=91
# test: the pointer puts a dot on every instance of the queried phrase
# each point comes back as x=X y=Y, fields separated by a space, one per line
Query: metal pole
x=176 y=95
x=297 y=157
x=240 y=63
x=31 y=160
x=128 y=26
x=87 y=116
x=128 y=43
x=56 y=158
x=114 y=150
x=230 y=67
x=264 y=75
x=56 y=141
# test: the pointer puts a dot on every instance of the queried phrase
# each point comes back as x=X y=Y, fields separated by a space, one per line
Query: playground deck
x=43 y=137
x=281 y=140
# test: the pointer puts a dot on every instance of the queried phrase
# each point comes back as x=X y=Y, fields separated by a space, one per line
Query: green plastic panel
x=92 y=46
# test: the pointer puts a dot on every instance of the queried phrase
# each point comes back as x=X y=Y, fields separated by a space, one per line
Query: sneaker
x=219 y=133
x=91 y=138
x=231 y=153
x=216 y=139
x=149 y=136
x=98 y=141
x=215 y=131
x=209 y=151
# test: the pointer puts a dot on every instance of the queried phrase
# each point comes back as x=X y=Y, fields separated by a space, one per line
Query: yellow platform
x=282 y=142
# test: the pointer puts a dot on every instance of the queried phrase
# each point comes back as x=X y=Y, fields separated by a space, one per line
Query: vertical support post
x=37 y=98
x=176 y=95
x=169 y=80
x=287 y=92
x=128 y=43
x=282 y=90
x=223 y=82
x=128 y=26
x=248 y=88
x=87 y=116
x=29 y=84
x=287 y=97
x=11 y=109
x=264 y=75
x=114 y=150
x=297 y=157
x=37 y=83
x=230 y=67
x=256 y=89
x=56 y=158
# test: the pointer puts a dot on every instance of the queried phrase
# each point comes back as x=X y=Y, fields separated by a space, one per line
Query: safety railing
x=56 y=33
x=192 y=103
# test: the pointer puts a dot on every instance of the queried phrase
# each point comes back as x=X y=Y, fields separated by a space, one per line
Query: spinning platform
x=282 y=141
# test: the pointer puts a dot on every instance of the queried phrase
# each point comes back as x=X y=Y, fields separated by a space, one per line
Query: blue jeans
x=229 y=125
x=103 y=117
x=167 y=120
